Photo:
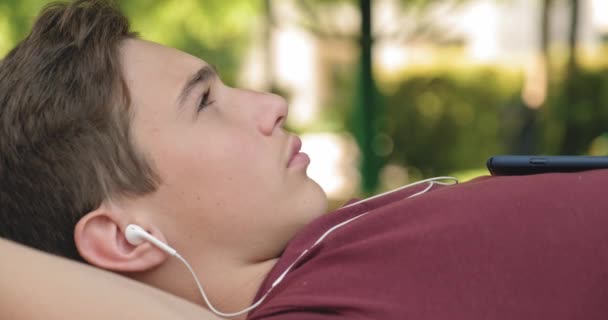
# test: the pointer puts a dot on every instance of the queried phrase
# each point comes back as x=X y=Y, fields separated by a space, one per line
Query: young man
x=101 y=130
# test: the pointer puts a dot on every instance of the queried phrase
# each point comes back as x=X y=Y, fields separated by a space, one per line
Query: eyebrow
x=203 y=75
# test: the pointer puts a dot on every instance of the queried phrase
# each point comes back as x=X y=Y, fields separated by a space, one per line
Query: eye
x=204 y=101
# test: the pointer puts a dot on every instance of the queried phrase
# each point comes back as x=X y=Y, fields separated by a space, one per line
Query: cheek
x=217 y=168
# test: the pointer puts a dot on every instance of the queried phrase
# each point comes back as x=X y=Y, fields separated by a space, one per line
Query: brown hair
x=65 y=143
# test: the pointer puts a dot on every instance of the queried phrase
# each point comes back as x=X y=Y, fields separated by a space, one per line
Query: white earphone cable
x=431 y=181
x=202 y=291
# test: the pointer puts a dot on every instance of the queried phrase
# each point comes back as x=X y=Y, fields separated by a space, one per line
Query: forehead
x=154 y=72
x=141 y=56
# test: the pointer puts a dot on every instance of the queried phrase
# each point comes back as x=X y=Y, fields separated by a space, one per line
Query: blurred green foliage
x=572 y=123
x=450 y=120
x=215 y=30
x=439 y=121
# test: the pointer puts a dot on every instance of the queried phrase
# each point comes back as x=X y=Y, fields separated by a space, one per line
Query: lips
x=297 y=156
x=295 y=146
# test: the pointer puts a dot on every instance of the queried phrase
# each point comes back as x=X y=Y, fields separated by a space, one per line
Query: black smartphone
x=509 y=165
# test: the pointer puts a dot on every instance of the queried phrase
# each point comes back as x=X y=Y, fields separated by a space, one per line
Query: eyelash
x=204 y=100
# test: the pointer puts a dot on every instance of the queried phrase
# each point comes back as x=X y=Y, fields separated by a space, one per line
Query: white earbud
x=136 y=235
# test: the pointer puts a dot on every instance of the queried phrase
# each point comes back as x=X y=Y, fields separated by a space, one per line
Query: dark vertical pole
x=544 y=33
x=571 y=141
x=364 y=114
x=573 y=35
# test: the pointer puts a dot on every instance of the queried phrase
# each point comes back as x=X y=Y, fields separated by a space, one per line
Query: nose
x=272 y=113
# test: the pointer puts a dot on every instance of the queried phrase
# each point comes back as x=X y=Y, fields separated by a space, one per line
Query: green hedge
x=447 y=120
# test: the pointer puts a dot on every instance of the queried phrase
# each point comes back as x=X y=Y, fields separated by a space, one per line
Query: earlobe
x=101 y=242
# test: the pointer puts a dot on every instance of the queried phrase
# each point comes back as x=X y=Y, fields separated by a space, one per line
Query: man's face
x=222 y=155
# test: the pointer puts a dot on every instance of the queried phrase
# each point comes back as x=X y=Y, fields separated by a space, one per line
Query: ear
x=100 y=240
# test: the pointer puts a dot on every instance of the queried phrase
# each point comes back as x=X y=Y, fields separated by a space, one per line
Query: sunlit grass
x=467 y=175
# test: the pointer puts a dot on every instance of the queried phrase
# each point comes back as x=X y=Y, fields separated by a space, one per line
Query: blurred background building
x=384 y=92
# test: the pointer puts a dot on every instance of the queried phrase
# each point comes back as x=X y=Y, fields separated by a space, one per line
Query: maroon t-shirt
x=533 y=247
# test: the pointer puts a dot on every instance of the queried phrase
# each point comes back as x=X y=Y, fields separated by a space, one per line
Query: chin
x=318 y=199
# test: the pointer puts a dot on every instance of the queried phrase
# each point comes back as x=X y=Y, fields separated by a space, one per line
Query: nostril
x=281 y=122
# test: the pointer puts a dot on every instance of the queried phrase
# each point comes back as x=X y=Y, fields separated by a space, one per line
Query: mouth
x=297 y=158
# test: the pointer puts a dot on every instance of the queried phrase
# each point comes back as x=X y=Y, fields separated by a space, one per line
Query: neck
x=230 y=285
